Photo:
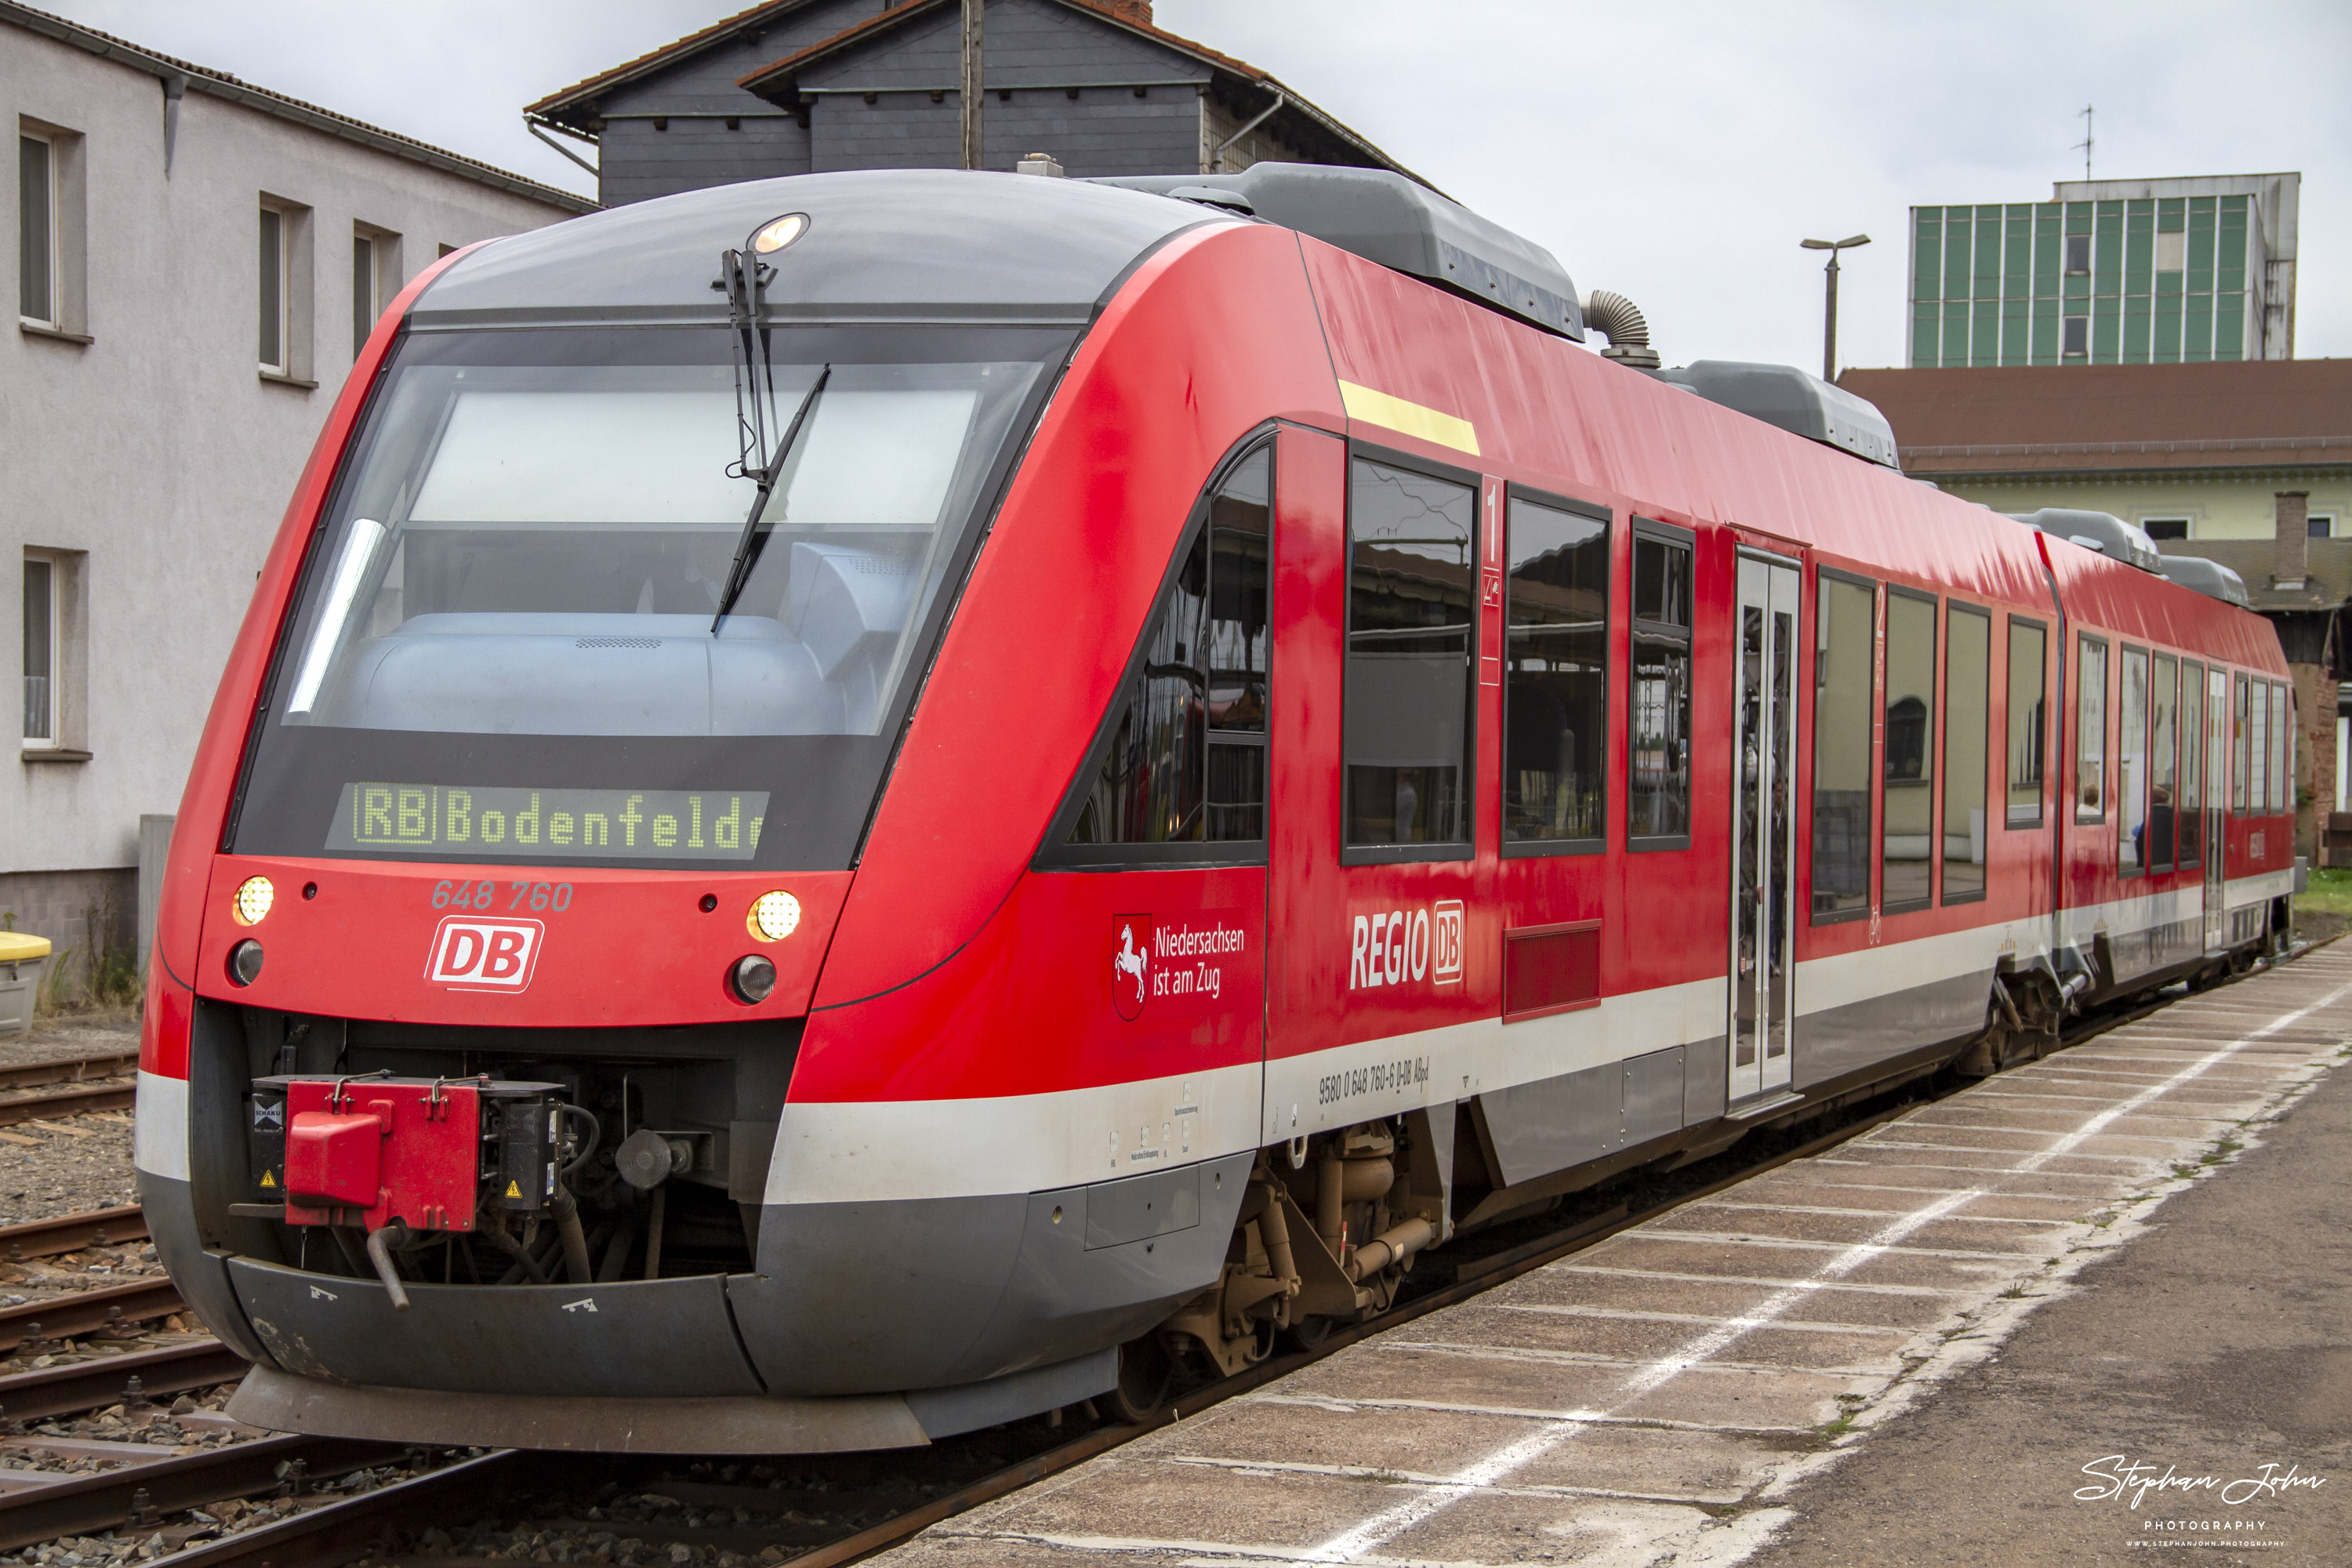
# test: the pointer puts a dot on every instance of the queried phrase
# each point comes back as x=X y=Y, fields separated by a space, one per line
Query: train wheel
x=1145 y=1372
x=1311 y=1334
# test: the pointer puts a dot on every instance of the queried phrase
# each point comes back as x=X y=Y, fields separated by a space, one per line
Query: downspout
x=1217 y=158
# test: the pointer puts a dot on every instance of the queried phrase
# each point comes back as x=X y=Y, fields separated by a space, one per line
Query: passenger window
x=1910 y=764
x=1405 y=714
x=2091 y=730
x=1658 y=767
x=1967 y=654
x=2131 y=765
x=2258 y=749
x=2163 y=753
x=2238 y=729
x=1187 y=758
x=1842 y=616
x=2280 y=752
x=2028 y=648
x=1554 y=677
x=2191 y=816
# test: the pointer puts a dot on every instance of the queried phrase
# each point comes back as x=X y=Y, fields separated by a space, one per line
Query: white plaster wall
x=158 y=448
x=2217 y=506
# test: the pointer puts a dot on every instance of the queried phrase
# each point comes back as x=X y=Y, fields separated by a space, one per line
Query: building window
x=2075 y=337
x=40 y=653
x=1187 y=755
x=1554 y=676
x=2078 y=253
x=2320 y=525
x=1967 y=670
x=2091 y=730
x=1909 y=808
x=1406 y=711
x=37 y=230
x=275 y=332
x=1844 y=611
x=365 y=305
x=2172 y=250
x=2027 y=729
x=2166 y=527
x=1657 y=769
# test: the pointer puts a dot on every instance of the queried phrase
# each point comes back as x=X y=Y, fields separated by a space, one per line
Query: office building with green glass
x=2109 y=272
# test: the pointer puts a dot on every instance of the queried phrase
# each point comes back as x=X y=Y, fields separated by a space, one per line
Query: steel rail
x=73 y=1232
x=124 y=1379
x=70 y=1069
x=335 y=1532
x=86 y=1504
x=78 y=1101
x=77 y=1312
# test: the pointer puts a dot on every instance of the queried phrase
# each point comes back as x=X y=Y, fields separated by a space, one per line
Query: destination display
x=428 y=820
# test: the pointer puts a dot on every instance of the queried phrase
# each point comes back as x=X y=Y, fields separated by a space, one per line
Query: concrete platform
x=1842 y=1361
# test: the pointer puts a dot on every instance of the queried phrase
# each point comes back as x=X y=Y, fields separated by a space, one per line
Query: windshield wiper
x=756 y=527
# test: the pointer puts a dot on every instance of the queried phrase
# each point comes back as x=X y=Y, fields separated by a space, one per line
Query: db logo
x=484 y=955
x=1131 y=963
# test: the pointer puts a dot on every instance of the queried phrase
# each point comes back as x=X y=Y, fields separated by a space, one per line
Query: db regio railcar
x=855 y=807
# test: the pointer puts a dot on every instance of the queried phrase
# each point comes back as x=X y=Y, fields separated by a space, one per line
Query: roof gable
x=743 y=30
x=1029 y=43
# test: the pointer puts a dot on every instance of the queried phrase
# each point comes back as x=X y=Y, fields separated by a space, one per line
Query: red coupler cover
x=371 y=1151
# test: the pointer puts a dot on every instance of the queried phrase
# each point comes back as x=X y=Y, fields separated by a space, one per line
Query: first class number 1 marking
x=484 y=895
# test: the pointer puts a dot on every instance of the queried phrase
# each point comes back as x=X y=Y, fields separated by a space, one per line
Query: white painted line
x=1753 y=1279
x=1802 y=1244
x=1391 y=1522
x=1631 y=1315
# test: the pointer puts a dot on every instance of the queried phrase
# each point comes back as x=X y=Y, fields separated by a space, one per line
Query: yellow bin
x=21 y=955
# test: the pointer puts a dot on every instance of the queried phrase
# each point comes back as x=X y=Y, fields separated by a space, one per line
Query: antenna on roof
x=2085 y=142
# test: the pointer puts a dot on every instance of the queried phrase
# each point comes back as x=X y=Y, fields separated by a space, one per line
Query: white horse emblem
x=1128 y=966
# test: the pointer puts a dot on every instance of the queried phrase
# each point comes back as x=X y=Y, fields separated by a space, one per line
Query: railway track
x=74 y=1086
x=822 y=1511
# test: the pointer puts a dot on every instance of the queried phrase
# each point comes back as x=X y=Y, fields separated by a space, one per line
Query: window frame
x=2282 y=742
x=2157 y=657
x=2328 y=517
x=2085 y=641
x=1870 y=830
x=1931 y=743
x=283 y=367
x=2041 y=812
x=1605 y=515
x=1055 y=852
x=2242 y=736
x=1675 y=536
x=2066 y=334
x=55 y=740
x=2067 y=247
x=2184 y=813
x=54 y=259
x=1451 y=850
x=1944 y=895
x=2125 y=653
x=2148 y=525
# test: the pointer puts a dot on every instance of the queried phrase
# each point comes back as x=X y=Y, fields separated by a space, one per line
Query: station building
x=194 y=260
x=798 y=86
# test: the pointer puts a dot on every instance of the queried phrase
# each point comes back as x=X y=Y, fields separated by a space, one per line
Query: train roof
x=908 y=244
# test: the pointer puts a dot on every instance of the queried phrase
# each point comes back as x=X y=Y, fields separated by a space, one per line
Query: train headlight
x=753 y=977
x=775 y=916
x=254 y=897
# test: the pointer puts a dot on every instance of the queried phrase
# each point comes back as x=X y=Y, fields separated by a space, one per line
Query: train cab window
x=1909 y=807
x=1186 y=763
x=2091 y=730
x=2028 y=729
x=2163 y=759
x=2131 y=765
x=1554 y=678
x=2282 y=752
x=1405 y=712
x=1968 y=655
x=1844 y=614
x=1657 y=806
x=2192 y=816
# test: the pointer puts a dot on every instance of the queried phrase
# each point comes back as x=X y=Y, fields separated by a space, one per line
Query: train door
x=1763 y=846
x=2216 y=805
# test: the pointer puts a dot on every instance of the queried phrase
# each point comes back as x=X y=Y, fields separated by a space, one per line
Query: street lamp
x=1829 y=320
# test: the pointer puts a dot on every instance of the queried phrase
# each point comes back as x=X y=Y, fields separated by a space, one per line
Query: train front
x=535 y=792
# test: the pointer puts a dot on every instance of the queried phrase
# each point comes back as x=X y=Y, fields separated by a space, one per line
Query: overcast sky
x=1675 y=153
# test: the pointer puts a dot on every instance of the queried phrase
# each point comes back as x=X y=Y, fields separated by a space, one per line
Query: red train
x=810 y=833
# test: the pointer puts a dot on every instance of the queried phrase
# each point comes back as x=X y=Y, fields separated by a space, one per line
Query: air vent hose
x=1609 y=313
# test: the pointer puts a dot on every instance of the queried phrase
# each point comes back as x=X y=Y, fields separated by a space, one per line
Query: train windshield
x=513 y=612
